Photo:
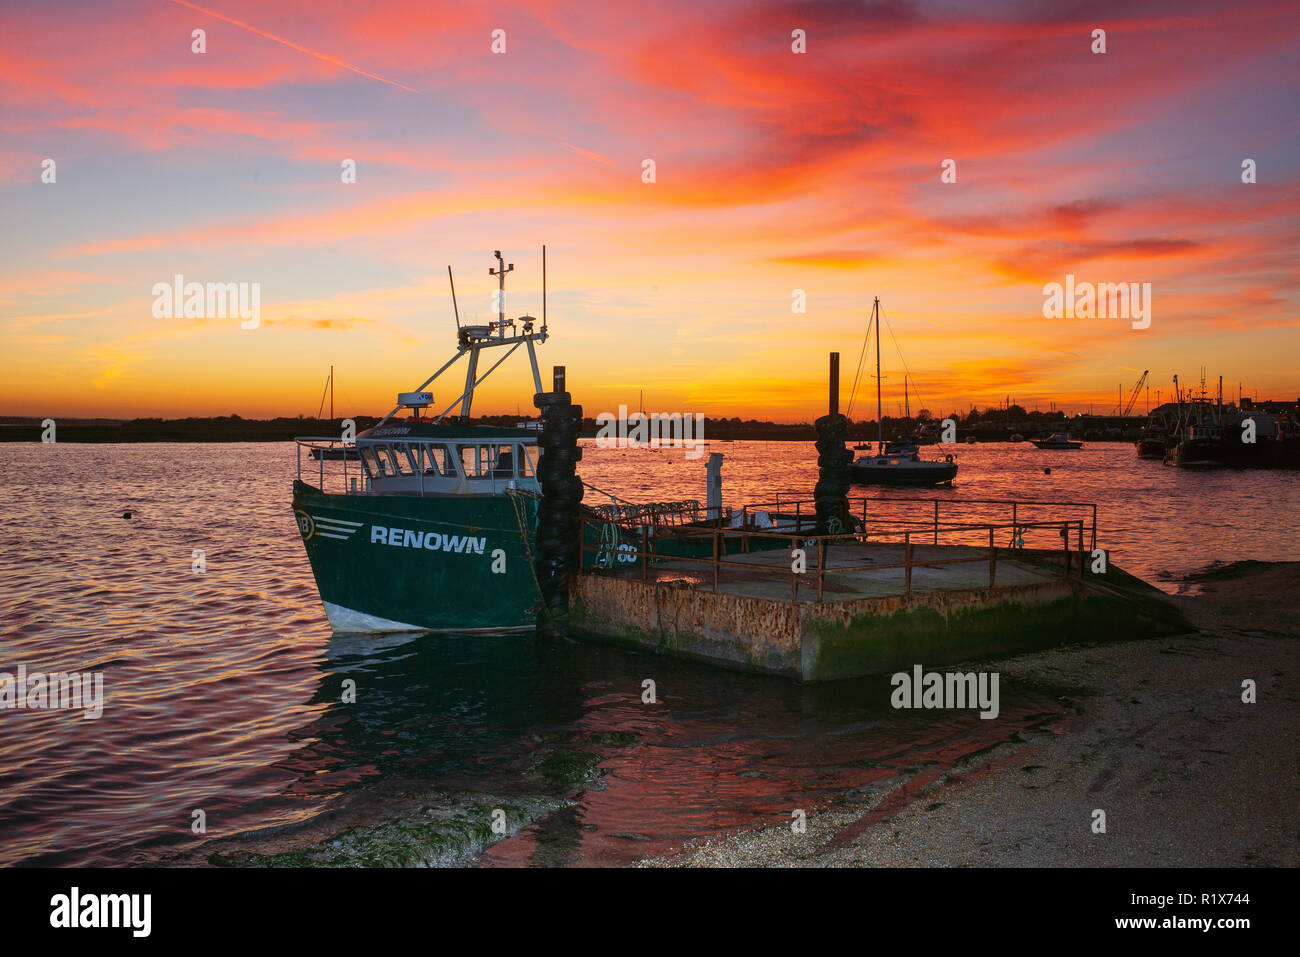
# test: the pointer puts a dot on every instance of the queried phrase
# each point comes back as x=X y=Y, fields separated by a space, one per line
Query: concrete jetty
x=873 y=607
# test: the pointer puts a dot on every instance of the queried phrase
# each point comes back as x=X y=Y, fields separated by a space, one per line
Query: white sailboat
x=897 y=465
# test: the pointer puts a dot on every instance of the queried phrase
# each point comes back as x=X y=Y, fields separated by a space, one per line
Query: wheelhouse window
x=374 y=468
x=403 y=460
x=473 y=461
x=483 y=461
x=503 y=461
x=438 y=462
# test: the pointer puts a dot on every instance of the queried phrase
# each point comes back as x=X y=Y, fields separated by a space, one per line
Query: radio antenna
x=453 y=297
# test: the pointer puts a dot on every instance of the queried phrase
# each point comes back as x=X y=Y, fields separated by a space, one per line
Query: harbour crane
x=1132 y=398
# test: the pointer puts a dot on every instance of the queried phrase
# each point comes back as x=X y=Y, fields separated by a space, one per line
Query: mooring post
x=993 y=558
x=831 y=494
x=713 y=485
x=834 y=405
x=936 y=521
x=907 y=563
x=559 y=525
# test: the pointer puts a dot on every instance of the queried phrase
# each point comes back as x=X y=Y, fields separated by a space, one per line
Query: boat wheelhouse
x=425 y=458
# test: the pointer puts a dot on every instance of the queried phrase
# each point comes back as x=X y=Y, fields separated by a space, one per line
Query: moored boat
x=896 y=463
x=433 y=523
x=902 y=470
x=1057 y=440
x=1151 y=447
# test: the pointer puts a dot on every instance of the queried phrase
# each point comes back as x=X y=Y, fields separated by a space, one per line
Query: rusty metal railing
x=644 y=552
x=858 y=508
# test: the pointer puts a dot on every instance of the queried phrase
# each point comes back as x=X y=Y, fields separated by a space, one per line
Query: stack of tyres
x=558 y=549
x=831 y=493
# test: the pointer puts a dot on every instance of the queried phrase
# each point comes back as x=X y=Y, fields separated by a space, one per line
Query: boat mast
x=473 y=339
x=880 y=416
x=331 y=393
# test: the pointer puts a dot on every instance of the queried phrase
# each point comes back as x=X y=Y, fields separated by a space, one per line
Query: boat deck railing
x=327 y=443
x=1032 y=537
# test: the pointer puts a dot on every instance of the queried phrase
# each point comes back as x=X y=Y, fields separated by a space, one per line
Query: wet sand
x=1186 y=773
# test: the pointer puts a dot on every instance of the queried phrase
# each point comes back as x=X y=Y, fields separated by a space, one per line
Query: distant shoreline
x=236 y=429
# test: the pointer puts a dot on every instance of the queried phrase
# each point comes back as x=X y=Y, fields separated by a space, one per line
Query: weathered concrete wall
x=750 y=633
x=814 y=641
x=848 y=638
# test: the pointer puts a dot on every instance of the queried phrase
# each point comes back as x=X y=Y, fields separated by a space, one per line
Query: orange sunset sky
x=775 y=171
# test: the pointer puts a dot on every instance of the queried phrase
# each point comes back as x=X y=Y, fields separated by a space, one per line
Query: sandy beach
x=1185 y=771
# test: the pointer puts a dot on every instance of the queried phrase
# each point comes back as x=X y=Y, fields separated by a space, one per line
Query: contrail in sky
x=293 y=46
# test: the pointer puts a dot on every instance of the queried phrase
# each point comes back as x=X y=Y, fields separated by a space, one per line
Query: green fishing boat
x=429 y=526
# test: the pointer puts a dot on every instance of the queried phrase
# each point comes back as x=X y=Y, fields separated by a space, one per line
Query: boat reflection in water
x=448 y=722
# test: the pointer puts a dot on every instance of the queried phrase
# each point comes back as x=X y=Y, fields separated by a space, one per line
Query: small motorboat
x=1057 y=440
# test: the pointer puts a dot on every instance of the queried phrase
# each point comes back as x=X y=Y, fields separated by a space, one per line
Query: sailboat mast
x=331 y=393
x=880 y=416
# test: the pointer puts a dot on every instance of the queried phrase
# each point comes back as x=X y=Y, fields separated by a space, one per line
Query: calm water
x=223 y=687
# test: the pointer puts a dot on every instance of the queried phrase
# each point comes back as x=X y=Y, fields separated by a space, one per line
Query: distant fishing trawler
x=1211 y=434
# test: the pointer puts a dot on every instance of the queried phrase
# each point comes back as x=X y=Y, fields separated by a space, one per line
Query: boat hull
x=934 y=473
x=1151 y=449
x=1197 y=454
x=407 y=563
x=395 y=563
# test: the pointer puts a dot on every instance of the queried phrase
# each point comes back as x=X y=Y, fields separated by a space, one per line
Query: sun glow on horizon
x=777 y=175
